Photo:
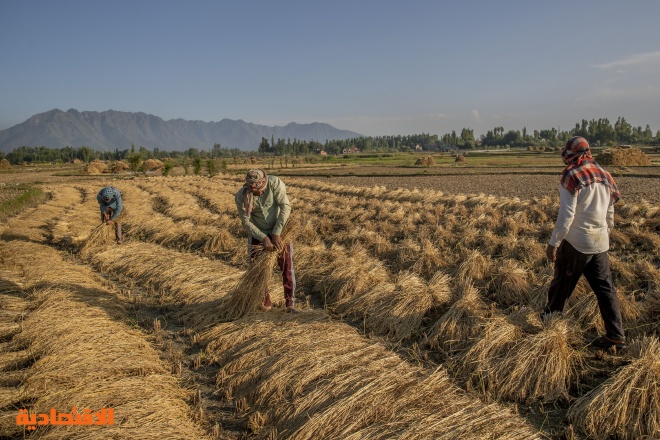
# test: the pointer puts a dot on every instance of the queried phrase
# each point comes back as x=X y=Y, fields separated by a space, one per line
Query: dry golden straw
x=248 y=293
x=627 y=405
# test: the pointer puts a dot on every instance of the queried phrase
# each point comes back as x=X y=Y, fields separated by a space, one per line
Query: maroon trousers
x=285 y=263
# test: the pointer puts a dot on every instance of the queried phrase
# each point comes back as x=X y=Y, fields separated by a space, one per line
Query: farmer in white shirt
x=580 y=240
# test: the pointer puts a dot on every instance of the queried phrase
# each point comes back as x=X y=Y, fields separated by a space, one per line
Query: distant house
x=350 y=150
x=418 y=147
x=323 y=153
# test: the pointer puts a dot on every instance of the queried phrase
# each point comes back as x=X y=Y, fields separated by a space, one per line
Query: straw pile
x=459 y=158
x=425 y=161
x=324 y=380
x=118 y=166
x=627 y=405
x=4 y=164
x=152 y=165
x=623 y=157
x=95 y=167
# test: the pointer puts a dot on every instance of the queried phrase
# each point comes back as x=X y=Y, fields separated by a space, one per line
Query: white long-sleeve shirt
x=585 y=219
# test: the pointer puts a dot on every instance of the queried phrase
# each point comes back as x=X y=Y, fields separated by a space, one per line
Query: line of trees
x=599 y=132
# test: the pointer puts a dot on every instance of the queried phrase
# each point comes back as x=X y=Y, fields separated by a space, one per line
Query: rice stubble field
x=419 y=315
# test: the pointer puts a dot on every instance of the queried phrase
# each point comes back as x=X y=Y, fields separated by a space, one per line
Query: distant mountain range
x=109 y=130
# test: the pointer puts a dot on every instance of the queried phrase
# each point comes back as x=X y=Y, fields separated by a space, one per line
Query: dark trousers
x=569 y=266
x=285 y=263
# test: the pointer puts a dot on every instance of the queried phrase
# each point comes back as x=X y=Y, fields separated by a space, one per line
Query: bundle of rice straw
x=509 y=285
x=627 y=405
x=541 y=366
x=480 y=361
x=456 y=329
x=248 y=293
x=102 y=235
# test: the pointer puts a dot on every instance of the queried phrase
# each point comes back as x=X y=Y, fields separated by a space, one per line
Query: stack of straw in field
x=425 y=161
x=324 y=380
x=118 y=166
x=90 y=359
x=96 y=167
x=152 y=165
x=623 y=157
x=4 y=164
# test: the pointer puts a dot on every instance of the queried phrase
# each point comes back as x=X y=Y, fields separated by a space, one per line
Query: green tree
x=210 y=167
x=134 y=160
x=197 y=165
x=167 y=168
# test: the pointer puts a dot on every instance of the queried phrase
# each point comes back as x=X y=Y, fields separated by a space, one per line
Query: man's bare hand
x=277 y=242
x=551 y=253
x=268 y=245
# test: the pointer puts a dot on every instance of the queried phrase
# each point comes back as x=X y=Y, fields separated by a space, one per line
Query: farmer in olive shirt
x=264 y=209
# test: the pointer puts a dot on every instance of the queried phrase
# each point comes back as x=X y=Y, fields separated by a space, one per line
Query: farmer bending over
x=580 y=240
x=264 y=209
x=109 y=200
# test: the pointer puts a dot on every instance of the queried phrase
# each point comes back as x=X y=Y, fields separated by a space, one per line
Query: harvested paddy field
x=419 y=317
x=636 y=184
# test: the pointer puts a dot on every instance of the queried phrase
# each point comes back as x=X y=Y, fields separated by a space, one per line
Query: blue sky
x=376 y=67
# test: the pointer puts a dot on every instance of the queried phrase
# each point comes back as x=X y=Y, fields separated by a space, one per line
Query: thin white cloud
x=642 y=61
x=475 y=115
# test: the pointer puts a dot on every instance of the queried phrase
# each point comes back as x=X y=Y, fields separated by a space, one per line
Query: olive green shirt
x=270 y=213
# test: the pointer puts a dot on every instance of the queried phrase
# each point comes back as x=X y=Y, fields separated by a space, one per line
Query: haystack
x=620 y=156
x=459 y=158
x=627 y=405
x=152 y=165
x=95 y=167
x=425 y=161
x=118 y=166
x=4 y=164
